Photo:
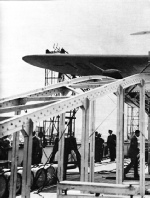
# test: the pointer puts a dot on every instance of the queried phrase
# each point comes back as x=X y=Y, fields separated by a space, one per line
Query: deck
x=104 y=172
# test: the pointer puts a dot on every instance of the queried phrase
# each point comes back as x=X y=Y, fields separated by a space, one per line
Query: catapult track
x=15 y=124
x=59 y=105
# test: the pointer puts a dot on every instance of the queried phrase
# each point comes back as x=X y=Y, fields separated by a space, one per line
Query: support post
x=92 y=140
x=120 y=136
x=61 y=147
x=85 y=141
x=14 y=161
x=13 y=177
x=142 y=138
x=27 y=154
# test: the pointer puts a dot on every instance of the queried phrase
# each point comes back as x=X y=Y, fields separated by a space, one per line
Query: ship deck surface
x=104 y=172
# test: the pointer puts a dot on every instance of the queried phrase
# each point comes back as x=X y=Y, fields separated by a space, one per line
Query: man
x=40 y=136
x=35 y=149
x=4 y=146
x=96 y=147
x=111 y=143
x=99 y=145
x=134 y=155
x=70 y=144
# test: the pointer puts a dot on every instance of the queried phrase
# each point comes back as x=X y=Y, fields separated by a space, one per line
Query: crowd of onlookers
x=71 y=147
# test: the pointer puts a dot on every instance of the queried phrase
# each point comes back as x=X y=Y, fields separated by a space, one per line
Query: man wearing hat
x=111 y=143
x=134 y=155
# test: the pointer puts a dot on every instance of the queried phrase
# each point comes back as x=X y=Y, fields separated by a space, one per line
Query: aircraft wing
x=83 y=65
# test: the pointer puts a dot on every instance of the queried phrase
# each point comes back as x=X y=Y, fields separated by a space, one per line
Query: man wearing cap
x=111 y=143
x=134 y=155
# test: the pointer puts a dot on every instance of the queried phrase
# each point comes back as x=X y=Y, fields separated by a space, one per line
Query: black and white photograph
x=74 y=98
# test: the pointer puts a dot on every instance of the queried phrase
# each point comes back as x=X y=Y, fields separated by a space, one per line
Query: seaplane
x=125 y=72
x=112 y=66
x=115 y=66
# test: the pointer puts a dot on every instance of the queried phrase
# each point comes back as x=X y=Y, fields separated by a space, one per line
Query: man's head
x=110 y=132
x=33 y=133
x=96 y=133
x=137 y=133
x=99 y=135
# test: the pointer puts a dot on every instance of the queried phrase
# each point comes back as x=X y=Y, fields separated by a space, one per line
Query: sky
x=80 y=27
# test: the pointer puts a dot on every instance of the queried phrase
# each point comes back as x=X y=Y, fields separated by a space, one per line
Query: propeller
x=141 y=33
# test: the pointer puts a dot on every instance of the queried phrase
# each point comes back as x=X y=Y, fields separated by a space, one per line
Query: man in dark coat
x=111 y=143
x=99 y=145
x=133 y=154
x=70 y=144
x=35 y=149
x=4 y=146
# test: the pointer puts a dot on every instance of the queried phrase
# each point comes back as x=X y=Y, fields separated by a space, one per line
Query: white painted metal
x=92 y=139
x=26 y=177
x=61 y=147
x=14 y=159
x=14 y=124
x=25 y=107
x=13 y=177
x=102 y=188
x=142 y=138
x=49 y=90
x=120 y=136
x=85 y=141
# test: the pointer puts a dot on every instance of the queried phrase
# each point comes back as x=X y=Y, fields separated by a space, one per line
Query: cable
x=102 y=122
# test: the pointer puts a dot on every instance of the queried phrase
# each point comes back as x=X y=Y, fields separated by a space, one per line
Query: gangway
x=58 y=106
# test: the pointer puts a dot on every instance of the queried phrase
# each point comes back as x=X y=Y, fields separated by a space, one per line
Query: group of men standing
x=71 y=145
x=99 y=146
x=133 y=152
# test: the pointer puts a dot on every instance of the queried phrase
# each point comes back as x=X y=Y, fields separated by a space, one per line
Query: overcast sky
x=81 y=26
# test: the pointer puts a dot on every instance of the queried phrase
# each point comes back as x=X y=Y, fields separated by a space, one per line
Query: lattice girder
x=15 y=124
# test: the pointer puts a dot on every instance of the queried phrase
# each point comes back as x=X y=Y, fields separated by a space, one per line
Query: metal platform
x=104 y=172
x=62 y=97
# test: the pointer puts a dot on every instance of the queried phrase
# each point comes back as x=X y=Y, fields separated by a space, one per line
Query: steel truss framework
x=59 y=106
x=51 y=126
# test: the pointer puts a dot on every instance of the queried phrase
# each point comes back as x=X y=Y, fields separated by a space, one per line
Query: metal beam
x=48 y=90
x=142 y=138
x=61 y=148
x=85 y=141
x=120 y=136
x=92 y=139
x=12 y=125
x=25 y=107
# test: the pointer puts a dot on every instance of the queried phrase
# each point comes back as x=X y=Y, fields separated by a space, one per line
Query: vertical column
x=142 y=138
x=61 y=147
x=27 y=153
x=85 y=141
x=148 y=143
x=92 y=140
x=120 y=136
x=14 y=160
